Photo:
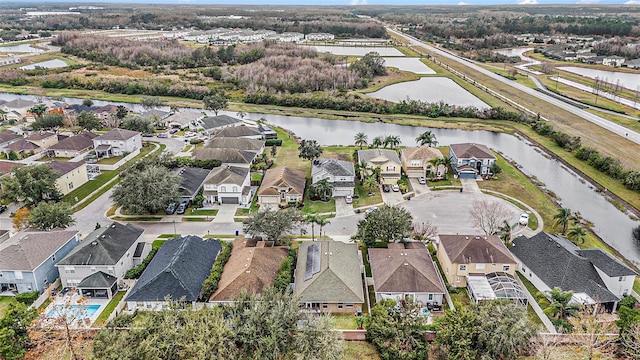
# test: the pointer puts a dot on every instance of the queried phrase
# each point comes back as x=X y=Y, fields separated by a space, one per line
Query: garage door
x=229 y=200
x=467 y=175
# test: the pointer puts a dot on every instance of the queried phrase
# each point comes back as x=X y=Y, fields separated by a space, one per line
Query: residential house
x=243 y=131
x=71 y=175
x=73 y=145
x=33 y=143
x=319 y=37
x=28 y=259
x=192 y=180
x=282 y=185
x=632 y=64
x=267 y=132
x=18 y=110
x=406 y=272
x=7 y=166
x=214 y=123
x=236 y=143
x=233 y=157
x=340 y=174
x=158 y=117
x=595 y=277
x=108 y=114
x=386 y=160
x=177 y=271
x=184 y=119
x=251 y=267
x=228 y=184
x=99 y=285
x=469 y=160
x=77 y=109
x=463 y=255
x=117 y=142
x=415 y=162
x=328 y=277
x=109 y=249
x=613 y=60
x=8 y=137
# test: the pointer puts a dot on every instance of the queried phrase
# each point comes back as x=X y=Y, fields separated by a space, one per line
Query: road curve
x=595 y=119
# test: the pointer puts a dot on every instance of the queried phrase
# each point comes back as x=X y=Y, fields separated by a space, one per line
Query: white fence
x=46 y=294
x=109 y=167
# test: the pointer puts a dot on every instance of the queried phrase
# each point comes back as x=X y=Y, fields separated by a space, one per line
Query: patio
x=73 y=309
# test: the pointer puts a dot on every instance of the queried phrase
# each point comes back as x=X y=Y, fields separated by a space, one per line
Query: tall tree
x=322 y=222
x=392 y=140
x=14 y=337
x=562 y=219
x=377 y=142
x=215 y=102
x=360 y=139
x=557 y=304
x=591 y=331
x=323 y=189
x=456 y=336
x=87 y=102
x=121 y=112
x=504 y=332
x=31 y=184
x=313 y=220
x=577 y=234
x=387 y=224
x=47 y=122
x=427 y=138
x=635 y=234
x=88 y=121
x=505 y=233
x=273 y=224
x=138 y=123
x=370 y=184
x=150 y=102
x=20 y=219
x=148 y=189
x=489 y=215
x=309 y=150
x=50 y=215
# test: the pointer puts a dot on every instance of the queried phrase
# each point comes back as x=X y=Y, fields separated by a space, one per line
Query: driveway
x=392 y=197
x=226 y=212
x=470 y=185
x=418 y=188
x=342 y=208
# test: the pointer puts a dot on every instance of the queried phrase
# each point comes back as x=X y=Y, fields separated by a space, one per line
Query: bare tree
x=65 y=331
x=629 y=341
x=593 y=333
x=424 y=231
x=546 y=347
x=489 y=215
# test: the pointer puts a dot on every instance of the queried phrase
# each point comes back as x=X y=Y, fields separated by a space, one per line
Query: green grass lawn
x=158 y=243
x=318 y=207
x=359 y=350
x=137 y=218
x=4 y=303
x=104 y=315
x=195 y=219
x=460 y=299
x=207 y=212
x=364 y=199
x=110 y=160
x=168 y=236
x=344 y=321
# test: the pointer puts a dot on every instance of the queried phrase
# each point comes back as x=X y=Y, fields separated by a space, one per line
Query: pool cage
x=495 y=286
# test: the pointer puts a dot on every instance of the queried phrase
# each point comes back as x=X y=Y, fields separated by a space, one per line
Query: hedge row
x=610 y=166
x=210 y=285
x=137 y=270
x=271 y=142
x=285 y=275
x=27 y=298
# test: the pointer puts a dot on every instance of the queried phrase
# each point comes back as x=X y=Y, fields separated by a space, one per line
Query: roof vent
x=406 y=264
x=466 y=238
x=477 y=237
x=113 y=225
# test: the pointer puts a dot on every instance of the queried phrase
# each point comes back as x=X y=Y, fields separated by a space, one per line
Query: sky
x=355 y=2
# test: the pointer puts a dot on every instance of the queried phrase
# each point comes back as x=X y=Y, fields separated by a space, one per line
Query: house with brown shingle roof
x=251 y=267
x=228 y=184
x=73 y=145
x=469 y=160
x=282 y=185
x=406 y=272
x=28 y=259
x=7 y=166
x=415 y=161
x=468 y=255
x=385 y=159
x=33 y=143
x=8 y=137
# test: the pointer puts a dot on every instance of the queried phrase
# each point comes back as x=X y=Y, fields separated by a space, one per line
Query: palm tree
x=558 y=305
x=322 y=222
x=505 y=233
x=392 y=140
x=313 y=220
x=577 y=234
x=377 y=141
x=324 y=189
x=38 y=110
x=562 y=219
x=370 y=183
x=360 y=139
x=427 y=138
x=3 y=115
x=446 y=162
x=435 y=162
x=376 y=172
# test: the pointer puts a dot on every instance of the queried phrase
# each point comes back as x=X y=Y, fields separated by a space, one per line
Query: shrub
x=285 y=275
x=196 y=141
x=27 y=298
x=137 y=270
x=210 y=284
x=271 y=142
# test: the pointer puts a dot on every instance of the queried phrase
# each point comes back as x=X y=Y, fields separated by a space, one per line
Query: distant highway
x=595 y=119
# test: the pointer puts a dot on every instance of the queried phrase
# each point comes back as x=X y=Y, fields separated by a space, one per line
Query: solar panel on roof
x=316 y=258
x=313 y=261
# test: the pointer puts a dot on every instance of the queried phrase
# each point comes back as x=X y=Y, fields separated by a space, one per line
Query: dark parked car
x=386 y=188
x=171 y=208
x=3 y=208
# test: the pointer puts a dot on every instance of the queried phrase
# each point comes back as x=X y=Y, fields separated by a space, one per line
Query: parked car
x=147 y=135
x=371 y=209
x=190 y=134
x=3 y=208
x=348 y=199
x=173 y=131
x=163 y=135
x=395 y=187
x=171 y=208
x=182 y=208
x=524 y=219
x=422 y=180
x=386 y=188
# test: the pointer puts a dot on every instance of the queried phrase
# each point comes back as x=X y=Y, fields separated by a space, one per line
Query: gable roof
x=606 y=263
x=117 y=134
x=104 y=246
x=63 y=167
x=400 y=269
x=109 y=108
x=213 y=122
x=339 y=279
x=249 y=267
x=22 y=145
x=184 y=117
x=333 y=167
x=192 y=179
x=27 y=249
x=471 y=150
x=98 y=280
x=283 y=177
x=481 y=249
x=420 y=153
x=20 y=104
x=227 y=174
x=39 y=135
x=80 y=141
x=237 y=131
x=230 y=156
x=235 y=143
x=370 y=155
x=8 y=135
x=7 y=166
x=177 y=270
x=155 y=113
x=559 y=266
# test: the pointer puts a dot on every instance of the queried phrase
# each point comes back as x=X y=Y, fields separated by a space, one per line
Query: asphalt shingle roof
x=117 y=134
x=238 y=131
x=421 y=153
x=192 y=179
x=370 y=154
x=29 y=248
x=470 y=150
x=81 y=141
x=98 y=280
x=226 y=156
x=63 y=167
x=235 y=143
x=7 y=166
x=606 y=263
x=218 y=121
x=283 y=177
x=8 y=135
x=178 y=270
x=227 y=174
x=467 y=249
x=333 y=167
x=105 y=246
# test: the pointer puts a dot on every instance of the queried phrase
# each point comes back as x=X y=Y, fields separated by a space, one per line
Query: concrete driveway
x=225 y=214
x=342 y=208
x=418 y=188
x=392 y=197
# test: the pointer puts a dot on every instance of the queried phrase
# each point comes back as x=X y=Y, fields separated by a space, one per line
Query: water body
x=49 y=64
x=413 y=65
x=609 y=223
x=22 y=48
x=628 y=80
x=429 y=89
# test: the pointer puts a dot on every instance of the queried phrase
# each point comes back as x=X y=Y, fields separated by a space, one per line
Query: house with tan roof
x=228 y=184
x=32 y=143
x=385 y=159
x=28 y=259
x=469 y=160
x=415 y=161
x=73 y=145
x=406 y=272
x=282 y=185
x=251 y=267
x=117 y=142
x=328 y=277
x=71 y=175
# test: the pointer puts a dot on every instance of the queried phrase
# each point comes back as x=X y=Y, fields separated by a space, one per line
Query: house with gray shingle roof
x=99 y=285
x=71 y=175
x=247 y=132
x=177 y=271
x=117 y=142
x=469 y=160
x=236 y=143
x=328 y=277
x=214 y=123
x=184 y=119
x=385 y=159
x=28 y=259
x=191 y=182
x=232 y=157
x=73 y=145
x=228 y=184
x=109 y=249
x=594 y=277
x=340 y=174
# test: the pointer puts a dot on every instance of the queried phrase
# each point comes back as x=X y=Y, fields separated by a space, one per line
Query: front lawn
x=364 y=199
x=195 y=219
x=207 y=212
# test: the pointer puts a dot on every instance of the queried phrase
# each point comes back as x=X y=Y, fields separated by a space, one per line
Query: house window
x=505 y=267
x=325 y=305
x=621 y=278
x=235 y=189
x=349 y=306
x=457 y=278
x=524 y=269
x=415 y=162
x=70 y=185
x=340 y=305
x=463 y=267
x=430 y=297
x=391 y=168
x=69 y=270
x=110 y=270
x=93 y=268
x=223 y=189
x=480 y=266
x=293 y=198
x=18 y=275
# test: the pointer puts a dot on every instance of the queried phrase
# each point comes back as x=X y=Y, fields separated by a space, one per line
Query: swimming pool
x=80 y=311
